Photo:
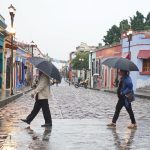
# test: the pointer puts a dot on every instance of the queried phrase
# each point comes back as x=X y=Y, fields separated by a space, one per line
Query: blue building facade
x=20 y=71
x=2 y=36
x=140 y=55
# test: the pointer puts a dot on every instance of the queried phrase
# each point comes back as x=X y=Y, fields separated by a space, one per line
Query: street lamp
x=81 y=60
x=32 y=46
x=12 y=11
x=91 y=67
x=70 y=66
x=129 y=35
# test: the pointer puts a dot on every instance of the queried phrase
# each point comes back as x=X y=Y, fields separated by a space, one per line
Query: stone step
x=143 y=90
x=147 y=88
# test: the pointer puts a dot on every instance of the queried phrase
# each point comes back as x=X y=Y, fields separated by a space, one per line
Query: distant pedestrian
x=41 y=94
x=99 y=82
x=69 y=81
x=125 y=86
x=79 y=79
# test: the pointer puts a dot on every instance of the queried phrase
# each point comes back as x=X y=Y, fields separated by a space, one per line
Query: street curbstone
x=9 y=99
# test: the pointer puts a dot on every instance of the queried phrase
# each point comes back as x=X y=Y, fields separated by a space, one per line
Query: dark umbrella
x=46 y=67
x=120 y=63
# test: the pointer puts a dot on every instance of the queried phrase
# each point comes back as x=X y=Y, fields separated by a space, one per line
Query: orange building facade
x=108 y=75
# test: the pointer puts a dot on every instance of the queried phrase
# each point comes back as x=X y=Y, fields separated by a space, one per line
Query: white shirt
x=43 y=88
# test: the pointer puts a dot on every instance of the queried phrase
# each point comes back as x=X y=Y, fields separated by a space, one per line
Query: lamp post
x=70 y=66
x=91 y=67
x=129 y=35
x=81 y=60
x=12 y=11
x=32 y=46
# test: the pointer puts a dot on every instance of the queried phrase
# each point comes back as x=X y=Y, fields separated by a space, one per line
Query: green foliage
x=136 y=24
x=124 y=26
x=147 y=22
x=80 y=65
x=113 y=35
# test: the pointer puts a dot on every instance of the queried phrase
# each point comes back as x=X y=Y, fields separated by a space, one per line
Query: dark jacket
x=127 y=85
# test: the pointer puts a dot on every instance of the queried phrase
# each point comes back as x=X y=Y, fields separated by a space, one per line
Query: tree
x=137 y=22
x=124 y=26
x=147 y=22
x=80 y=65
x=113 y=35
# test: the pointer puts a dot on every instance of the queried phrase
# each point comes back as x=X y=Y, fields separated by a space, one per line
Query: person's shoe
x=132 y=126
x=25 y=120
x=111 y=125
x=46 y=125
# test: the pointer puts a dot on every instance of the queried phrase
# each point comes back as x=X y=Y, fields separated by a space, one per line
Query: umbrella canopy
x=46 y=67
x=120 y=63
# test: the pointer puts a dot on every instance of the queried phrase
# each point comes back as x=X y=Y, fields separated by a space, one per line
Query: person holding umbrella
x=41 y=93
x=125 y=86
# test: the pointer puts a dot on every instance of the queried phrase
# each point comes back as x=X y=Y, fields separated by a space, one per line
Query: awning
x=126 y=55
x=144 y=54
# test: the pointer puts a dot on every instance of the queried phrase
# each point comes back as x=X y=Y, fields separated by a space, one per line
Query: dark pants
x=120 y=104
x=45 y=109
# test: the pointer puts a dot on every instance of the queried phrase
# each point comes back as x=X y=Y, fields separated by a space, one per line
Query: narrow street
x=79 y=122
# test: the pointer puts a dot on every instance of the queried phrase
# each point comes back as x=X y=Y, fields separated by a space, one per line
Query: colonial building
x=101 y=75
x=140 y=55
x=84 y=47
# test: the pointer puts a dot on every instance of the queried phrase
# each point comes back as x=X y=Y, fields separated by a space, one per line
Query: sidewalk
x=141 y=94
x=6 y=98
x=137 y=94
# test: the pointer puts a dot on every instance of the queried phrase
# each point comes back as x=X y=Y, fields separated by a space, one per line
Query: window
x=146 y=65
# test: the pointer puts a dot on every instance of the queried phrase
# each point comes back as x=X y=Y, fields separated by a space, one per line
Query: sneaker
x=132 y=126
x=25 y=120
x=113 y=125
x=46 y=125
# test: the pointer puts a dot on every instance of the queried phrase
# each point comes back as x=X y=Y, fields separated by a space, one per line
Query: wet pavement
x=79 y=123
x=6 y=93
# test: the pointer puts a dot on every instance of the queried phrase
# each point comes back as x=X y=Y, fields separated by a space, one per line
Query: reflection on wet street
x=126 y=141
x=79 y=123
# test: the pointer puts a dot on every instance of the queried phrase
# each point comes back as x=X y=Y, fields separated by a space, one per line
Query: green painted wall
x=1 y=68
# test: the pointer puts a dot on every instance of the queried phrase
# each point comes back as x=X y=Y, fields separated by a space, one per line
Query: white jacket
x=43 y=88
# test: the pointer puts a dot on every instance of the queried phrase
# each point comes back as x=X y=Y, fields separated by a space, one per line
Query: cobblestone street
x=79 y=122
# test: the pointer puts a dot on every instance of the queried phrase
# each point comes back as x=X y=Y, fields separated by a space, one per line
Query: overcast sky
x=59 y=26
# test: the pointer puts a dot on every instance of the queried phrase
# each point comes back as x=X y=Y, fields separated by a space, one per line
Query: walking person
x=41 y=94
x=125 y=86
x=69 y=81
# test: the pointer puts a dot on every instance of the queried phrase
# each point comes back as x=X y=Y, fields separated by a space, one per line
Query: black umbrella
x=120 y=63
x=46 y=67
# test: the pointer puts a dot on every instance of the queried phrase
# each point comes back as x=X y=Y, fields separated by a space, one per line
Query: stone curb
x=7 y=100
x=109 y=91
x=136 y=94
